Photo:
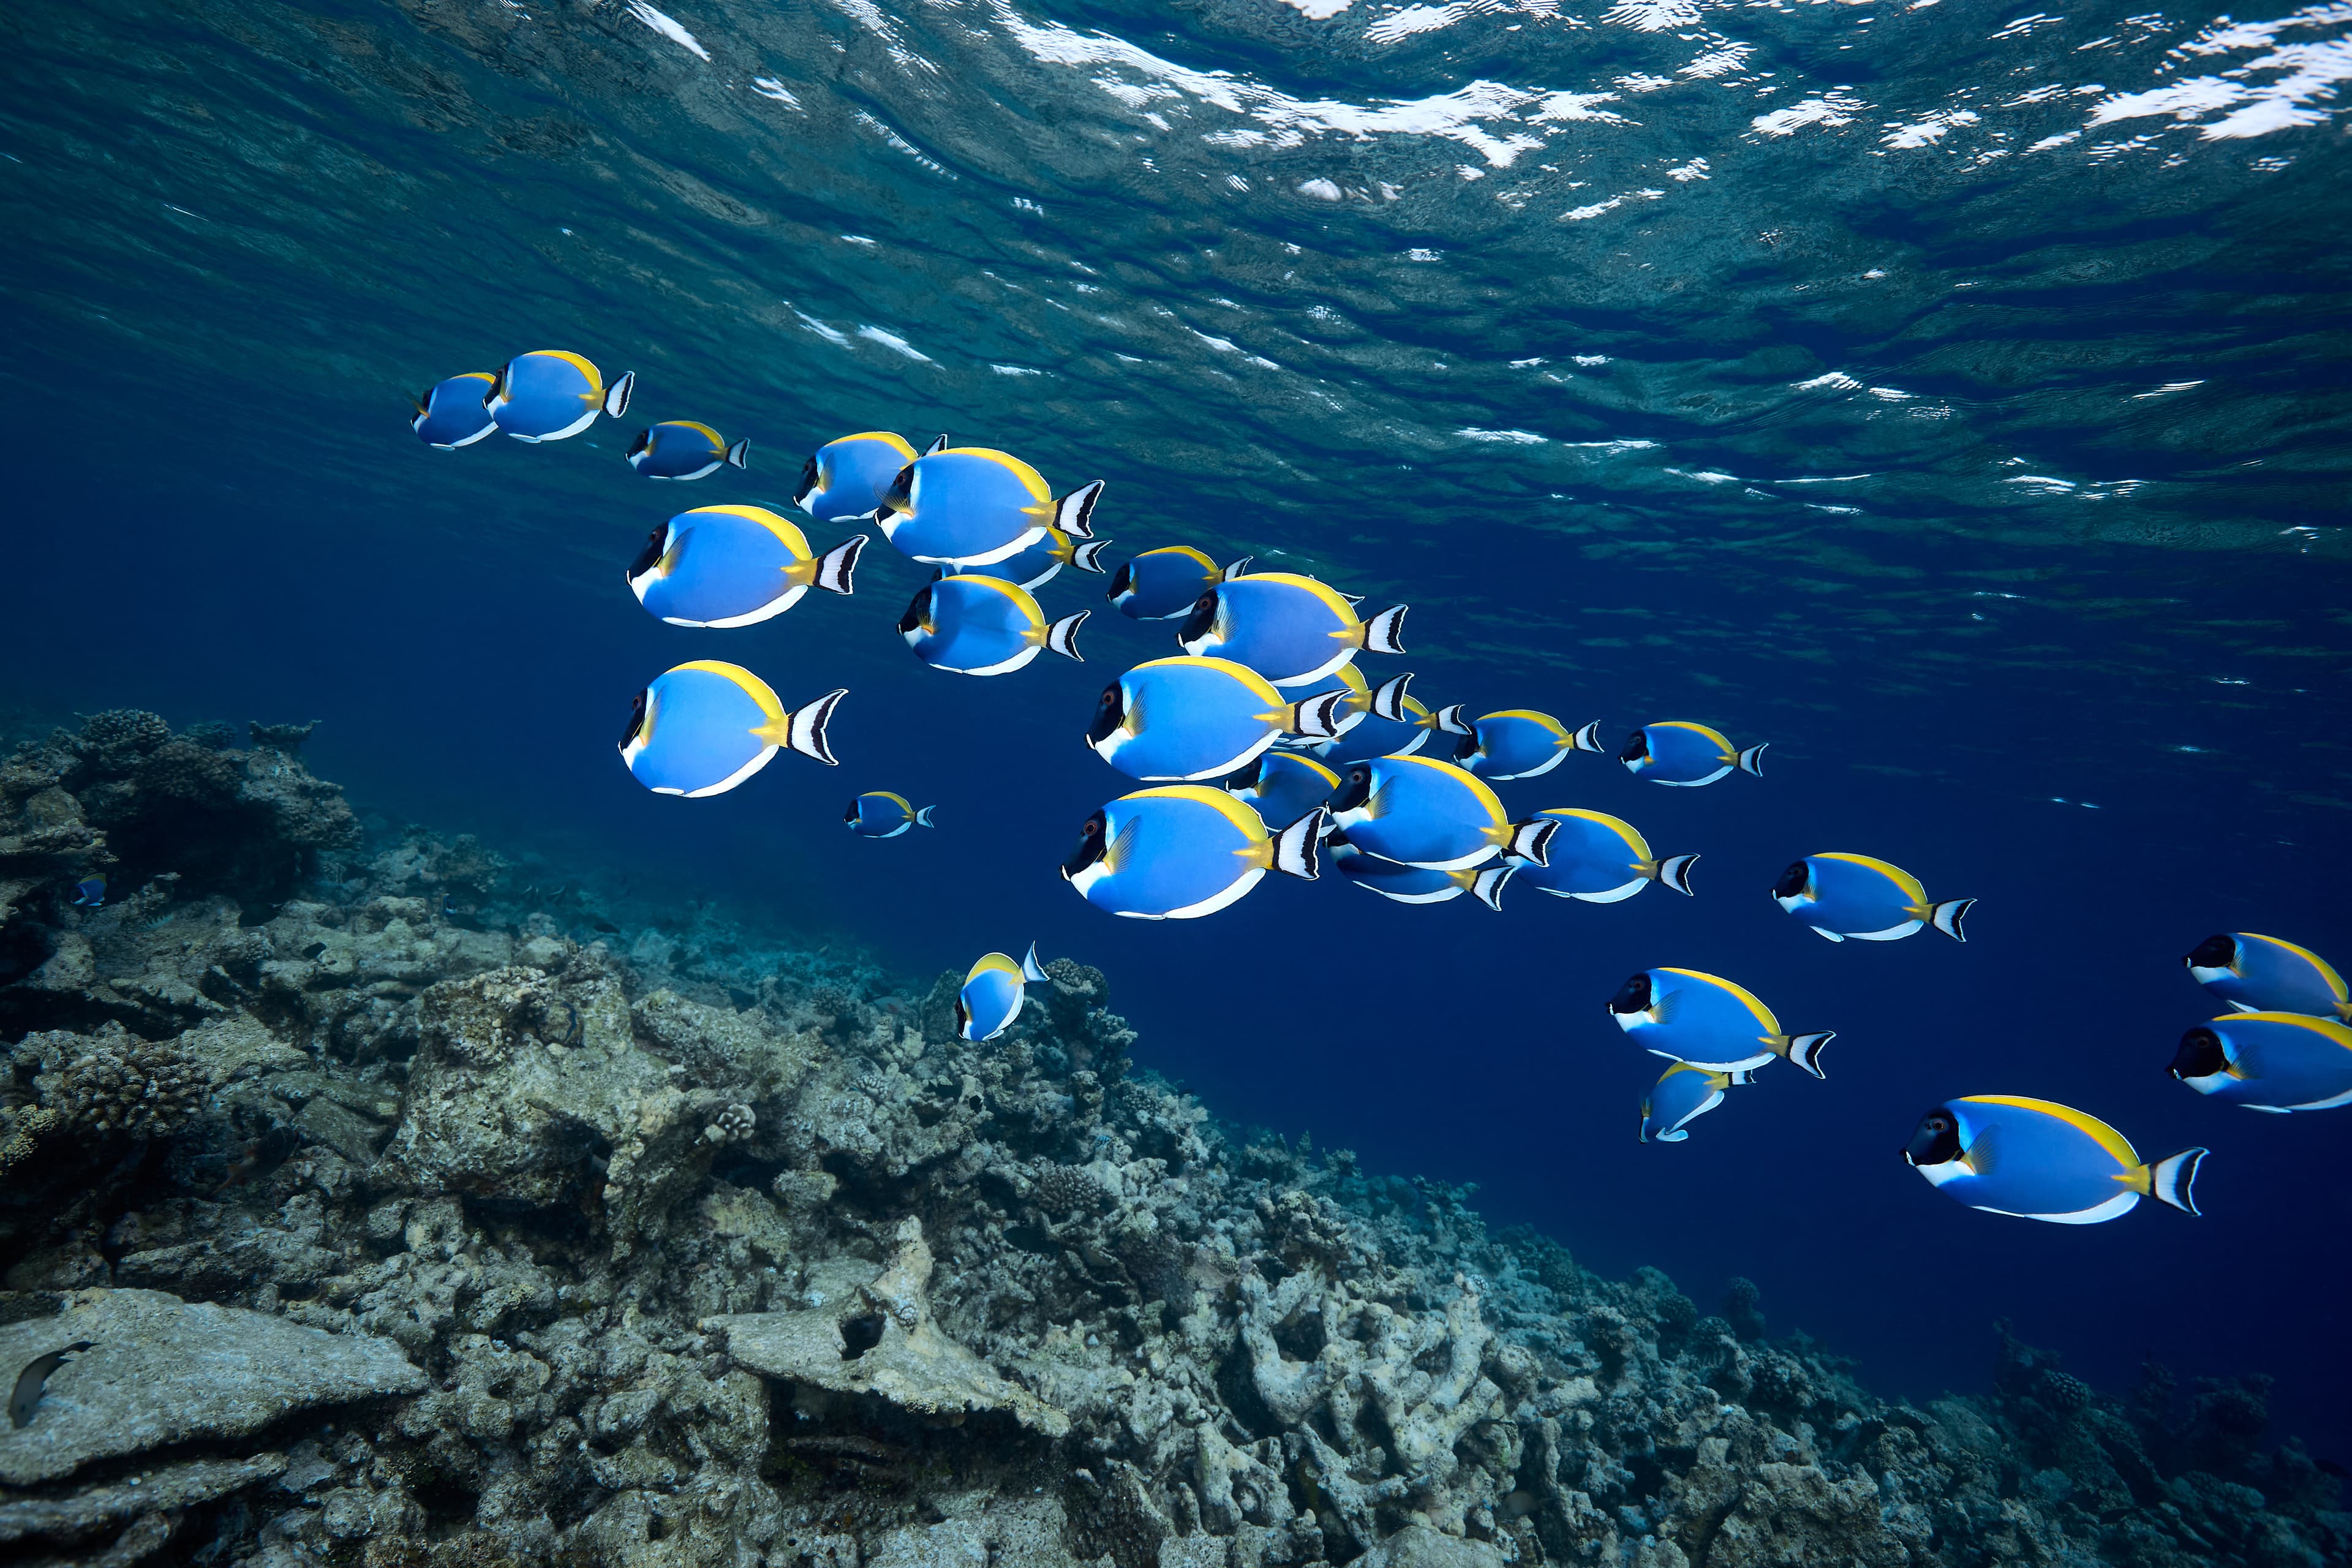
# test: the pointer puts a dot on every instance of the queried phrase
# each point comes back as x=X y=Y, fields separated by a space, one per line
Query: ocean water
x=1952 y=397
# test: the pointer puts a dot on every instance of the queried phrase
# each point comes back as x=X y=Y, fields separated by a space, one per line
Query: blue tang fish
x=1841 y=896
x=971 y=505
x=1181 y=719
x=843 y=480
x=451 y=415
x=2038 y=1160
x=1418 y=811
x=1709 y=1021
x=1290 y=629
x=685 y=450
x=734 y=566
x=1685 y=754
x=1418 y=884
x=2263 y=975
x=91 y=892
x=1284 y=786
x=705 y=727
x=548 y=395
x=1180 y=851
x=1515 y=743
x=1386 y=722
x=1601 y=859
x=1163 y=583
x=1043 y=561
x=2269 y=1061
x=880 y=813
x=993 y=993
x=981 y=626
x=1681 y=1096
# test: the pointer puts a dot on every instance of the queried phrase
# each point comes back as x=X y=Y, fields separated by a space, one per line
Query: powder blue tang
x=1289 y=628
x=451 y=415
x=1181 y=851
x=993 y=993
x=1682 y=1095
x=2269 y=1061
x=1418 y=811
x=843 y=480
x=1709 y=1021
x=2265 y=974
x=549 y=394
x=1685 y=754
x=1841 y=895
x=1520 y=744
x=1601 y=859
x=705 y=727
x=982 y=625
x=685 y=450
x=1163 y=583
x=734 y=566
x=2038 y=1160
x=885 y=814
x=1283 y=787
x=971 y=506
x=1182 y=720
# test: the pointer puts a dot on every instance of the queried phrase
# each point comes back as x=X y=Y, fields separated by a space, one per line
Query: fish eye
x=1634 y=996
x=916 y=610
x=1089 y=849
x=1109 y=710
x=1637 y=746
x=2201 y=1055
x=1936 y=1142
x=2214 y=952
x=1203 y=616
x=636 y=718
x=1793 y=882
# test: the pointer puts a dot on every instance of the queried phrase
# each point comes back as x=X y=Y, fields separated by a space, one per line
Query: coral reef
x=416 y=1211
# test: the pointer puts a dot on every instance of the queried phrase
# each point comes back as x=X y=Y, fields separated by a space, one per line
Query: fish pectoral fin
x=1983 y=1154
x=1378 y=807
x=1122 y=846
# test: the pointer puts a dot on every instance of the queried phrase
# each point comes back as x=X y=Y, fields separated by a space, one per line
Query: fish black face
x=1354 y=790
x=963 y=1015
x=1090 y=847
x=1110 y=713
x=650 y=556
x=808 y=483
x=917 y=612
x=636 y=720
x=1793 y=882
x=2200 y=1056
x=850 y=816
x=1465 y=748
x=1936 y=1140
x=1637 y=746
x=1120 y=581
x=1249 y=776
x=900 y=496
x=1203 y=616
x=2214 y=952
x=1634 y=996
x=645 y=439
x=498 y=387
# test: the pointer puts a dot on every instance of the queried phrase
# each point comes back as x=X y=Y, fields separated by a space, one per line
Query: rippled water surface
x=1954 y=397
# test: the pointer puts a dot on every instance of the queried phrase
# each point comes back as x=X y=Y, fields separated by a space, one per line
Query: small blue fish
x=979 y=626
x=1515 y=743
x=880 y=813
x=1601 y=859
x=1418 y=884
x=1181 y=719
x=1709 y=1021
x=1284 y=786
x=993 y=993
x=2264 y=975
x=703 y=728
x=971 y=506
x=2036 y=1159
x=1043 y=561
x=2269 y=1061
x=734 y=566
x=1686 y=755
x=451 y=415
x=1163 y=583
x=1418 y=811
x=1290 y=629
x=1682 y=1095
x=1181 y=851
x=90 y=894
x=549 y=394
x=843 y=480
x=685 y=450
x=1841 y=896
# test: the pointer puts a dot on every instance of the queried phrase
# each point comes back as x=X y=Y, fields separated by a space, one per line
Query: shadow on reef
x=397 y=1209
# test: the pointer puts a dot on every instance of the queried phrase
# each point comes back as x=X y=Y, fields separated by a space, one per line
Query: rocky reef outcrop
x=377 y=1204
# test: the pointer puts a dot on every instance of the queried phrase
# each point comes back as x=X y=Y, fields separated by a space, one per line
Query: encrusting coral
x=666 y=1241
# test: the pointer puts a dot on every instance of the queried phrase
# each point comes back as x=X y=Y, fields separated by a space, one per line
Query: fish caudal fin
x=1088 y=557
x=1487 y=888
x=1946 y=917
x=1295 y=847
x=1030 y=968
x=1531 y=838
x=1751 y=761
x=1388 y=697
x=738 y=455
x=1738 y=1075
x=2172 y=1180
x=1449 y=719
x=1675 y=871
x=1805 y=1050
x=616 y=396
x=836 y=566
x=1318 y=717
x=1238 y=569
x=803 y=728
x=1073 y=513
x=1587 y=738
x=1384 y=633
x=1061 y=636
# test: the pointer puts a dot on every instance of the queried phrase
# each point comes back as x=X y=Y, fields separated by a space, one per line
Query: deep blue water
x=1970 y=425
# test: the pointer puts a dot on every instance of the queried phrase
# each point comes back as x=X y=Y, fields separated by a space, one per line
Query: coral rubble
x=367 y=1204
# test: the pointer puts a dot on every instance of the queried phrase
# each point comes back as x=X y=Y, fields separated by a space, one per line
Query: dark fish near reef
x=1181 y=851
x=685 y=450
x=550 y=394
x=884 y=814
x=2036 y=1159
x=26 y=1395
x=450 y=415
x=2269 y=1061
x=703 y=728
x=1289 y=628
x=1841 y=896
x=1709 y=1021
x=1686 y=755
x=91 y=892
x=1682 y=1095
x=843 y=480
x=1163 y=583
x=726 y=566
x=2264 y=975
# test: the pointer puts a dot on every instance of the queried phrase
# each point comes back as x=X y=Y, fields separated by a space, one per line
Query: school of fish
x=1263 y=748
